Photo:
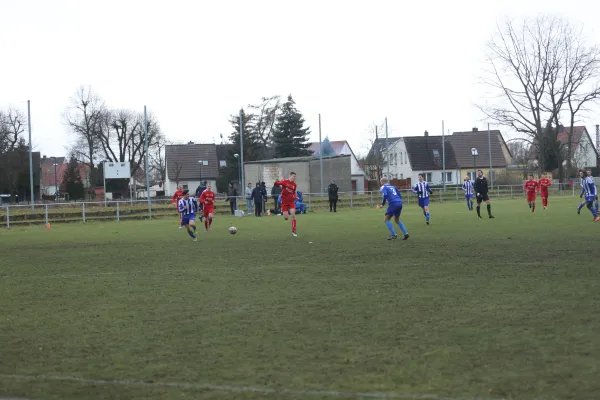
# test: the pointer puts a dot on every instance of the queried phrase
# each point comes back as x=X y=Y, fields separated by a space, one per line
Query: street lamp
x=475 y=153
x=202 y=162
x=56 y=192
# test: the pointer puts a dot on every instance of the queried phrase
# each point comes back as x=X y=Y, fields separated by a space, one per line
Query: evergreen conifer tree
x=291 y=137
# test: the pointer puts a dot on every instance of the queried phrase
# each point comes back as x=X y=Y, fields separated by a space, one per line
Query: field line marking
x=232 y=388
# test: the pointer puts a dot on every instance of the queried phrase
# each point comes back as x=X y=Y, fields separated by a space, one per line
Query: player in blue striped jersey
x=467 y=187
x=589 y=175
x=589 y=193
x=394 y=200
x=423 y=191
x=188 y=207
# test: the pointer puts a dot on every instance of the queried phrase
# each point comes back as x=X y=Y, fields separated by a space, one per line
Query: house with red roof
x=583 y=152
x=52 y=174
x=339 y=148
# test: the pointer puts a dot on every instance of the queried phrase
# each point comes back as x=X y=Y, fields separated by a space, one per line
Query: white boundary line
x=228 y=388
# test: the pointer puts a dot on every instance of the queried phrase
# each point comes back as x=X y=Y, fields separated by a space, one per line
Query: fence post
x=350 y=198
x=309 y=203
x=46 y=214
x=7 y=217
x=511 y=191
x=371 y=198
x=83 y=211
x=118 y=217
x=498 y=189
x=441 y=197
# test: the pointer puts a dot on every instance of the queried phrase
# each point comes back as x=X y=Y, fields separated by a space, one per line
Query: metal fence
x=47 y=213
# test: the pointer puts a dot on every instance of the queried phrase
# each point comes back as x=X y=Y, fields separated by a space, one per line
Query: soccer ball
x=233 y=230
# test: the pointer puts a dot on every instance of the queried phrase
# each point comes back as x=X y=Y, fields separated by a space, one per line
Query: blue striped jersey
x=390 y=194
x=422 y=189
x=468 y=187
x=189 y=206
x=588 y=187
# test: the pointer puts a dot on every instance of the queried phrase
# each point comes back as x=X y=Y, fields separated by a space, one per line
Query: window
x=401 y=176
x=185 y=186
x=428 y=176
x=222 y=163
x=448 y=177
x=471 y=175
x=401 y=161
x=436 y=153
x=405 y=160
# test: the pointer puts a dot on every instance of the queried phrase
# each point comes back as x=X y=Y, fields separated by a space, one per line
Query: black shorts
x=481 y=197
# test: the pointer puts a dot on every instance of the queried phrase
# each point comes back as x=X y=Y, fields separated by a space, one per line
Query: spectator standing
x=332 y=191
x=249 y=199
x=275 y=192
x=232 y=197
x=257 y=197
x=263 y=189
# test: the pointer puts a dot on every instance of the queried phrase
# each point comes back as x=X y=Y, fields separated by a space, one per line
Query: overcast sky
x=193 y=63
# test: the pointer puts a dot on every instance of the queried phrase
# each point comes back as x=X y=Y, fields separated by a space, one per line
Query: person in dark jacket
x=275 y=192
x=257 y=198
x=232 y=197
x=263 y=189
x=332 y=191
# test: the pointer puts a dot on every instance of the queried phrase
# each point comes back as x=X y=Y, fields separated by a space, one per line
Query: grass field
x=136 y=310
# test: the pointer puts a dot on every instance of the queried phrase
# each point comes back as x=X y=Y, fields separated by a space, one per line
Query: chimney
x=190 y=142
x=426 y=133
x=475 y=129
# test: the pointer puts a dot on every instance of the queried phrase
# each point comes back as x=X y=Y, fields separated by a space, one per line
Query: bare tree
x=158 y=162
x=122 y=138
x=84 y=117
x=375 y=161
x=12 y=125
x=178 y=167
x=265 y=116
x=536 y=71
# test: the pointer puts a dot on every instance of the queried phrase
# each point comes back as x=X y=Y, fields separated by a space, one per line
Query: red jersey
x=208 y=198
x=177 y=196
x=288 y=191
x=544 y=183
x=531 y=186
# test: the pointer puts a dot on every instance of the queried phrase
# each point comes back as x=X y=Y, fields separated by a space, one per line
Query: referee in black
x=481 y=188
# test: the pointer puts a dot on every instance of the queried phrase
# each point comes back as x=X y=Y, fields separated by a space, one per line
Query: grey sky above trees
x=354 y=70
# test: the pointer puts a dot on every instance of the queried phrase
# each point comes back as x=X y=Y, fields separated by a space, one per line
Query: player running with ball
x=288 y=198
x=394 y=199
x=187 y=207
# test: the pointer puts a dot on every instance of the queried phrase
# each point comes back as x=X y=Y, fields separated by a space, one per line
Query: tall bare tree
x=375 y=161
x=264 y=117
x=84 y=117
x=12 y=125
x=535 y=70
x=158 y=162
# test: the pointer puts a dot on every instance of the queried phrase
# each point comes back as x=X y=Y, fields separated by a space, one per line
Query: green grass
x=336 y=309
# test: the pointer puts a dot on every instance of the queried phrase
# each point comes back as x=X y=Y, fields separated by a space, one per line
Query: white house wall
x=436 y=177
x=585 y=156
x=399 y=165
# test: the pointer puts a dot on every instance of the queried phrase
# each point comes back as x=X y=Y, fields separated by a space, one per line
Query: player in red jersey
x=544 y=183
x=288 y=197
x=531 y=187
x=208 y=199
x=178 y=195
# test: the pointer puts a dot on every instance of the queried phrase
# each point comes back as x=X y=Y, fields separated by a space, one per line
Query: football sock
x=206 y=223
x=293 y=225
x=489 y=208
x=390 y=227
x=533 y=208
x=194 y=228
x=596 y=207
x=192 y=234
x=580 y=207
x=468 y=205
x=209 y=221
x=427 y=216
x=478 y=211
x=402 y=227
